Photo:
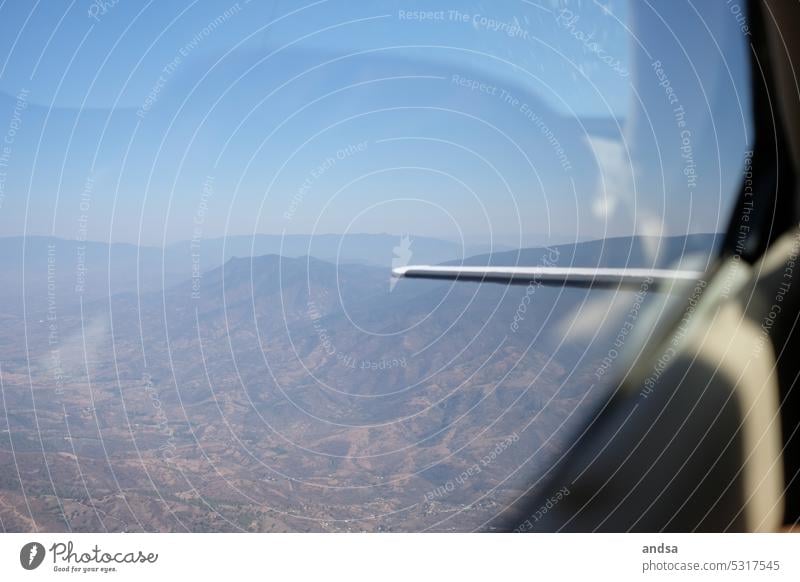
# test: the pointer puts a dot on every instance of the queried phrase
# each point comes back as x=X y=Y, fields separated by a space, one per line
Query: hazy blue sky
x=160 y=121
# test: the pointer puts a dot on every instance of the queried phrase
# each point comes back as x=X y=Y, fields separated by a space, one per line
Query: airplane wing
x=569 y=276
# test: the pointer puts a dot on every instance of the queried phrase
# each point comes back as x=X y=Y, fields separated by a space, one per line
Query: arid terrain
x=295 y=394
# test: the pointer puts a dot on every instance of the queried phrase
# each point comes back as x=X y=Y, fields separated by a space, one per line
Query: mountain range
x=279 y=393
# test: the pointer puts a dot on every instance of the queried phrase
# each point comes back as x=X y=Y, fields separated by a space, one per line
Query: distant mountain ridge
x=61 y=272
x=368 y=249
x=94 y=270
x=629 y=251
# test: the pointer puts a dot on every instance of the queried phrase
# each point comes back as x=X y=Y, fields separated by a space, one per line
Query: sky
x=517 y=121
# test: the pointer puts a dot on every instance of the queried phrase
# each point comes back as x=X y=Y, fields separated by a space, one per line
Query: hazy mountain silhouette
x=634 y=252
x=95 y=270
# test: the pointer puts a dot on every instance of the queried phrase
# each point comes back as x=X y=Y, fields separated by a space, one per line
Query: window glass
x=202 y=204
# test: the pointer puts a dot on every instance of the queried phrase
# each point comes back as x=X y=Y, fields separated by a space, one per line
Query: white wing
x=570 y=276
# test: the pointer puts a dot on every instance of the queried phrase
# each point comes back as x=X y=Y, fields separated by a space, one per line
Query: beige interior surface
x=693 y=440
x=737 y=341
